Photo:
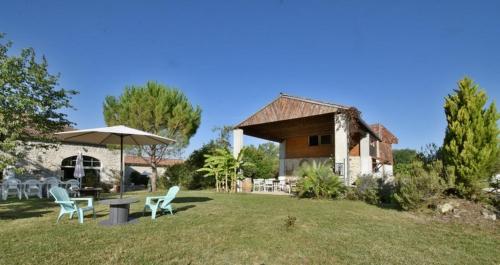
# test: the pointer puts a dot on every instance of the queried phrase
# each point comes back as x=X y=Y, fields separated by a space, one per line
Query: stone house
x=101 y=164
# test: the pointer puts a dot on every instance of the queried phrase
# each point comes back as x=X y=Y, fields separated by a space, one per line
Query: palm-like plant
x=236 y=164
x=212 y=169
x=224 y=167
x=318 y=180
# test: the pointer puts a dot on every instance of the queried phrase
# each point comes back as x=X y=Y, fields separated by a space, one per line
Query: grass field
x=214 y=228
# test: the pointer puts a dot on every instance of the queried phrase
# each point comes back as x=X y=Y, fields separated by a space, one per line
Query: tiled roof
x=140 y=161
x=384 y=134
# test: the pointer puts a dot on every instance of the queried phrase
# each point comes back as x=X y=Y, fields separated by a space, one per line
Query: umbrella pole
x=121 y=166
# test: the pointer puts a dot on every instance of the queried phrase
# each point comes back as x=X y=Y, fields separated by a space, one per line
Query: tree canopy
x=158 y=109
x=263 y=161
x=31 y=103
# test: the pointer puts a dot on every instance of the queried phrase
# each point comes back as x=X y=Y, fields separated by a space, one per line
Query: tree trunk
x=225 y=182
x=216 y=183
x=236 y=180
x=154 y=168
x=154 y=177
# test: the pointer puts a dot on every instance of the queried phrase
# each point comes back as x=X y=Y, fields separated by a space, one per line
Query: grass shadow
x=20 y=209
x=137 y=215
x=191 y=199
x=184 y=208
x=389 y=206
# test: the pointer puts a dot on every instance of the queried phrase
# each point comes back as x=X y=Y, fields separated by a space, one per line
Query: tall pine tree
x=158 y=109
x=471 y=144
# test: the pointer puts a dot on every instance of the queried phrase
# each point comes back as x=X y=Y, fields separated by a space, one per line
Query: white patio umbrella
x=79 y=172
x=114 y=135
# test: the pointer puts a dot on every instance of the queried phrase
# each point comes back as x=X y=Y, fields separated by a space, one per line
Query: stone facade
x=354 y=168
x=46 y=162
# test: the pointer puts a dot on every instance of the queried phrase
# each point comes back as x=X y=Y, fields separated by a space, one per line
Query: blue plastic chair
x=69 y=205
x=161 y=203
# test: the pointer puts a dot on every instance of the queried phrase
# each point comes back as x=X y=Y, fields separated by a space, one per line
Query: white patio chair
x=51 y=183
x=73 y=187
x=282 y=183
x=257 y=184
x=292 y=184
x=32 y=187
x=268 y=184
x=11 y=186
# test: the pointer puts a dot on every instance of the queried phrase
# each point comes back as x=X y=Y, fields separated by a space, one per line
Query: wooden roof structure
x=385 y=135
x=289 y=116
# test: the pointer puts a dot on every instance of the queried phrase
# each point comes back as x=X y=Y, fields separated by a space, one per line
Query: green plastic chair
x=69 y=205
x=162 y=203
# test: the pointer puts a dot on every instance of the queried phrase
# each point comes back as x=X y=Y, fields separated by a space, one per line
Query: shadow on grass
x=191 y=199
x=19 y=209
x=147 y=214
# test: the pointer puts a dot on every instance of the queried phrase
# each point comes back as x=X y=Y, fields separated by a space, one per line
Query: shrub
x=421 y=186
x=290 y=222
x=262 y=161
x=318 y=181
x=368 y=189
x=386 y=190
x=178 y=174
x=350 y=193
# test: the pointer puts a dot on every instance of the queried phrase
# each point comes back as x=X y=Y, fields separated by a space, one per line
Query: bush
x=318 y=181
x=350 y=193
x=368 y=189
x=421 y=186
x=184 y=175
x=178 y=174
x=261 y=161
x=386 y=190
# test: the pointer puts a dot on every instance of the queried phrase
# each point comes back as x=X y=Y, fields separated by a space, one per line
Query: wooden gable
x=384 y=134
x=287 y=108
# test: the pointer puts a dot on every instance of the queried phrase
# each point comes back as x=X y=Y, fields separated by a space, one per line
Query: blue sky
x=395 y=61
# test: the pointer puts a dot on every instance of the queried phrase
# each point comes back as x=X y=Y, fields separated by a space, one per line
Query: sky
x=393 y=60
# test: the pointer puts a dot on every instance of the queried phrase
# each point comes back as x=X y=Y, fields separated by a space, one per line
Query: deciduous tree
x=31 y=103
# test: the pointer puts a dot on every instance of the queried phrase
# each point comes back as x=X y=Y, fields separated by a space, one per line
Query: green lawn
x=214 y=228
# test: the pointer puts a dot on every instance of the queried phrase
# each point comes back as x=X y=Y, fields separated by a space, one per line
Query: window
x=326 y=139
x=313 y=140
x=88 y=161
x=339 y=169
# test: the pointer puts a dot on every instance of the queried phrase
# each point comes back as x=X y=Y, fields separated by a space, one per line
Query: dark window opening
x=326 y=139
x=313 y=140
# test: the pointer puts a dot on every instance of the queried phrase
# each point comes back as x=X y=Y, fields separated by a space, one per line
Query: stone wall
x=354 y=168
x=46 y=162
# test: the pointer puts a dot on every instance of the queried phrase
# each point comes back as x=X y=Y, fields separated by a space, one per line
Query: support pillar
x=366 y=159
x=282 y=171
x=237 y=142
x=341 y=147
